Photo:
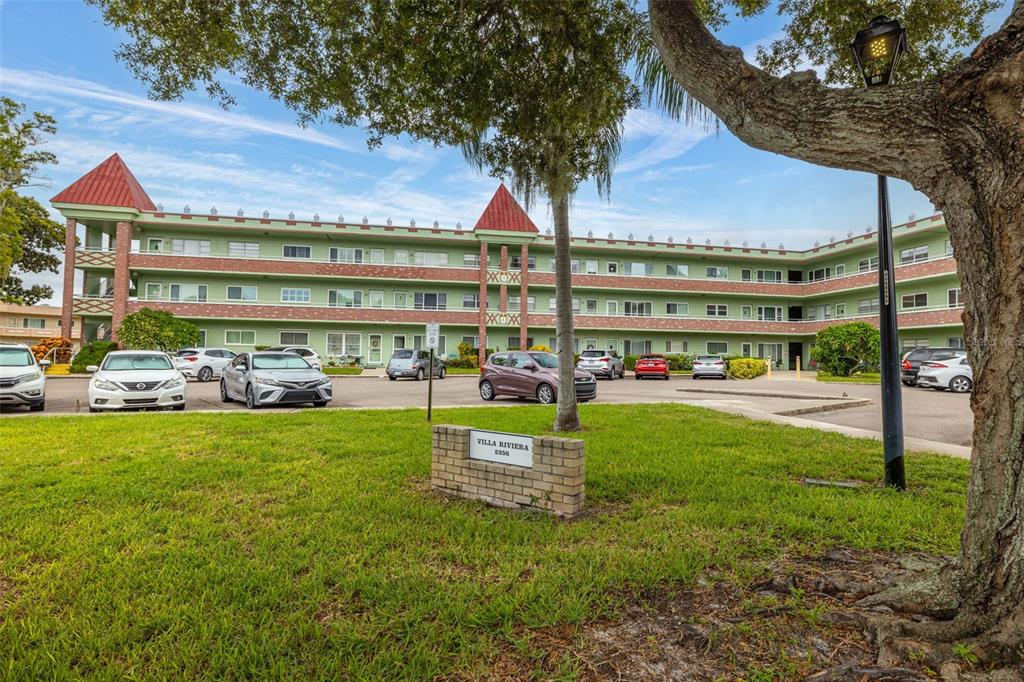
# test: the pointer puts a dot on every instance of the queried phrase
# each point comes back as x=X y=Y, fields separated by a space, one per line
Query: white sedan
x=953 y=373
x=136 y=379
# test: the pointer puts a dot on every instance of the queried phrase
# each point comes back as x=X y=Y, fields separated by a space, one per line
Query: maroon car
x=651 y=365
x=530 y=374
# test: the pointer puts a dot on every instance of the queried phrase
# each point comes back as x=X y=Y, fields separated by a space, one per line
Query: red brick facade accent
x=122 y=275
x=503 y=287
x=482 y=330
x=524 y=289
x=237 y=311
x=68 y=303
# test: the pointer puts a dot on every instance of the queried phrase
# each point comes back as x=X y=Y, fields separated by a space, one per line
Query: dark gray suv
x=413 y=364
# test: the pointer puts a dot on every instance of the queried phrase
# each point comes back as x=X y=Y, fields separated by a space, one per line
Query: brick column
x=503 y=289
x=524 y=304
x=67 y=310
x=121 y=275
x=482 y=353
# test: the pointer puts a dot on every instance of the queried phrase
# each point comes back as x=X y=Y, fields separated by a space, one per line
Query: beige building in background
x=30 y=324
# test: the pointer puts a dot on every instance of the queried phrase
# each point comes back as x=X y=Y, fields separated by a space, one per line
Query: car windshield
x=127 y=363
x=16 y=357
x=402 y=355
x=708 y=358
x=651 y=357
x=279 y=361
x=592 y=354
x=547 y=360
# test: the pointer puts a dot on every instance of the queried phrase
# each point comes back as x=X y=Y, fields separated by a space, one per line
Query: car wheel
x=419 y=374
x=486 y=390
x=695 y=377
x=224 y=397
x=960 y=384
x=92 y=410
x=440 y=375
x=37 y=408
x=250 y=398
x=611 y=375
x=667 y=377
x=391 y=378
x=545 y=395
x=908 y=383
x=636 y=376
x=205 y=374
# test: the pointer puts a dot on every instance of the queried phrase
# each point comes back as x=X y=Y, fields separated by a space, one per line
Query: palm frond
x=663 y=91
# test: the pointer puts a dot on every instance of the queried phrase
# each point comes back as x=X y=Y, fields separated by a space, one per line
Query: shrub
x=258 y=348
x=679 y=363
x=157 y=329
x=461 y=363
x=541 y=347
x=467 y=357
x=842 y=349
x=92 y=354
x=747 y=368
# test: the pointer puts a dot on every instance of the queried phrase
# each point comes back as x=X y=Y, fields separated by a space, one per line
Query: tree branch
x=889 y=130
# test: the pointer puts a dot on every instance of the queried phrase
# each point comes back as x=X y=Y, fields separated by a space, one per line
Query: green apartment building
x=360 y=291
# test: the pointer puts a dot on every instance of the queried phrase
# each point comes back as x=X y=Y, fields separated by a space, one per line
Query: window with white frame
x=745 y=349
x=188 y=293
x=376 y=298
x=611 y=307
x=955 y=342
x=345 y=298
x=718 y=347
x=840 y=270
x=155 y=244
x=574 y=265
x=746 y=312
x=636 y=308
x=241 y=293
x=473 y=341
x=430 y=301
x=677 y=309
x=867 y=264
x=377 y=256
x=430 y=258
x=401 y=299
x=297 y=251
x=351 y=343
x=345 y=254
x=819 y=312
x=244 y=249
x=202 y=338
x=239 y=337
x=638 y=269
x=953 y=298
x=190 y=247
x=637 y=347
x=769 y=313
x=716 y=310
x=769 y=276
x=867 y=306
x=590 y=266
x=911 y=344
x=515 y=301
x=154 y=291
x=914 y=254
x=590 y=306
x=676 y=270
x=819 y=274
x=746 y=274
x=677 y=346
x=949 y=248
x=714 y=272
x=611 y=267
x=33 y=323
x=908 y=301
x=471 y=260
x=552 y=304
x=471 y=301
x=840 y=310
x=402 y=257
x=295 y=295
x=515 y=263
x=398 y=342
x=290 y=338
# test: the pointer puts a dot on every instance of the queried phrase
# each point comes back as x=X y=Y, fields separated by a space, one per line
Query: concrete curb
x=765 y=394
x=846 y=404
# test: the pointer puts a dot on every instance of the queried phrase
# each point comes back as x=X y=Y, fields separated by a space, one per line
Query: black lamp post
x=877 y=50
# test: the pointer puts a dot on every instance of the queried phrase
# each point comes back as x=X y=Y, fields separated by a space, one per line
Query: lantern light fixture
x=877 y=50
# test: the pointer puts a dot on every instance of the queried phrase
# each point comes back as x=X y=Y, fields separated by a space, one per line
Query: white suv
x=136 y=379
x=202 y=363
x=305 y=352
x=22 y=379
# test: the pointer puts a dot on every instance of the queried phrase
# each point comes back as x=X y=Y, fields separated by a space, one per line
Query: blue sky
x=57 y=56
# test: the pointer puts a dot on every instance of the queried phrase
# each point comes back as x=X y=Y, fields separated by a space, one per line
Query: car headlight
x=31 y=376
x=268 y=382
x=175 y=383
x=326 y=381
x=106 y=385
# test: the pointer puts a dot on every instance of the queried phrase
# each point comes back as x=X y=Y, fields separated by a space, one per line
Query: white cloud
x=668 y=139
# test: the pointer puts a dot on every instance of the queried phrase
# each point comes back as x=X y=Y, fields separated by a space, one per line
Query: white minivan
x=22 y=379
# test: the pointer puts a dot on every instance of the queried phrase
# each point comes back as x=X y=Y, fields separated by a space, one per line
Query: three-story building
x=361 y=291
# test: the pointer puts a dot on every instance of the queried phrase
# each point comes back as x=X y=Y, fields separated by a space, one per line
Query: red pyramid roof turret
x=108 y=184
x=505 y=213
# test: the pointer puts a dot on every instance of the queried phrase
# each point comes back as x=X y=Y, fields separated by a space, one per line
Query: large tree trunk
x=960 y=140
x=567 y=417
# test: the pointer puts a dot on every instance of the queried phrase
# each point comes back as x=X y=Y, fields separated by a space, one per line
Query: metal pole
x=892 y=396
x=430 y=386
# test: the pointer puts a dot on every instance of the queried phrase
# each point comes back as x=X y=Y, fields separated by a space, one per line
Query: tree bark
x=567 y=417
x=960 y=140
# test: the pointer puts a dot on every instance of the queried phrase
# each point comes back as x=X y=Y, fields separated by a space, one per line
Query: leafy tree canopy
x=156 y=330
x=27 y=235
x=842 y=349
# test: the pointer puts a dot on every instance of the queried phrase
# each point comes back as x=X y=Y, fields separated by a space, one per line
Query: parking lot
x=928 y=415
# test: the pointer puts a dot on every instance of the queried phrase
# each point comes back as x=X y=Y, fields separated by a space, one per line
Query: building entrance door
x=771 y=352
x=376 y=341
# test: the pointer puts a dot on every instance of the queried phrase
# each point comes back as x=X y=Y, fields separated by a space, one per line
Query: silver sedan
x=269 y=378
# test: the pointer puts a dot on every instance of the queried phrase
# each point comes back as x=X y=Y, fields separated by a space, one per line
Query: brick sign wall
x=553 y=483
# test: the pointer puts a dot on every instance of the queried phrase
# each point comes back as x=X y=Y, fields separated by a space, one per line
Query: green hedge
x=91 y=354
x=747 y=368
x=676 y=363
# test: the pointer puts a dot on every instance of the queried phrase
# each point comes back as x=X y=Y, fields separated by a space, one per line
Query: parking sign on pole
x=433 y=336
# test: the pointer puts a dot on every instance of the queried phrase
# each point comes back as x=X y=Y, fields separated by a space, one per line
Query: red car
x=651 y=365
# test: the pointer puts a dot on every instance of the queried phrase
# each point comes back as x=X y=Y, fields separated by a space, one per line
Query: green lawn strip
x=343 y=370
x=462 y=370
x=855 y=379
x=306 y=545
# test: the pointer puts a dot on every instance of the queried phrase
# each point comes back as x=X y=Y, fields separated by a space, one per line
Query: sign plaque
x=502 y=448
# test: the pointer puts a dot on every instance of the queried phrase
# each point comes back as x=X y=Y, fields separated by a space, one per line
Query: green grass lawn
x=307 y=545
x=462 y=370
x=343 y=370
x=865 y=378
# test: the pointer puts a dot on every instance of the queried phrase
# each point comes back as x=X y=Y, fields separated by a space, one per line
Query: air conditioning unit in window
x=613 y=268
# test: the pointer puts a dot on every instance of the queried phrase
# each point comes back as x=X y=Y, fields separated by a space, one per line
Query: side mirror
x=530 y=366
x=44 y=363
x=92 y=368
